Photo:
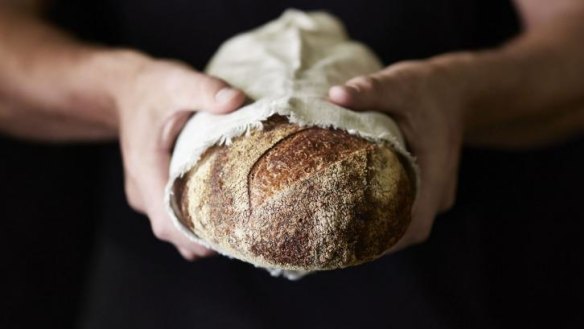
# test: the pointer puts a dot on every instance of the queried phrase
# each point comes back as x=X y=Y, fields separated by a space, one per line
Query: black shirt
x=507 y=249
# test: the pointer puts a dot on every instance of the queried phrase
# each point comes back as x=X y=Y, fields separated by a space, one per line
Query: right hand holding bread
x=427 y=100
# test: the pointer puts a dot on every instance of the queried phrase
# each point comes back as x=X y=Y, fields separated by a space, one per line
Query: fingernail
x=225 y=95
x=340 y=94
x=337 y=91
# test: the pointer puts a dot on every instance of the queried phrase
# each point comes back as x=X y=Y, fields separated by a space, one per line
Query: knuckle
x=368 y=83
x=161 y=231
x=449 y=199
x=449 y=202
x=186 y=254
x=207 y=89
x=421 y=234
x=131 y=159
x=408 y=66
x=210 y=85
x=132 y=196
x=134 y=204
x=190 y=257
x=204 y=252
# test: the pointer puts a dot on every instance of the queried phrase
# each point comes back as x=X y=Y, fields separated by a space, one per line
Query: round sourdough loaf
x=298 y=198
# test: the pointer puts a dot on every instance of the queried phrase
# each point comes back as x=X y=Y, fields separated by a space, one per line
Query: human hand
x=426 y=101
x=154 y=99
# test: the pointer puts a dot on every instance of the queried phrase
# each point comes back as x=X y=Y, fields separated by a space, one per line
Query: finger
x=341 y=95
x=177 y=117
x=423 y=214
x=206 y=93
x=452 y=186
x=203 y=252
x=171 y=128
x=199 y=252
x=162 y=225
x=133 y=196
x=187 y=254
x=361 y=93
x=434 y=177
x=445 y=168
x=150 y=177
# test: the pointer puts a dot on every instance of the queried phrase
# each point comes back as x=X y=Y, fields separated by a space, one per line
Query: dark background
x=515 y=235
x=47 y=221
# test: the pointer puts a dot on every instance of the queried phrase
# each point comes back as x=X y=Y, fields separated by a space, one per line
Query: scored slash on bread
x=298 y=198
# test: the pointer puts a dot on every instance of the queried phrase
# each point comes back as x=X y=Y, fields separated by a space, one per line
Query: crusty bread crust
x=297 y=198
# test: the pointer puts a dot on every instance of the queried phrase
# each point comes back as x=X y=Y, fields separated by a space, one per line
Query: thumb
x=207 y=93
x=361 y=93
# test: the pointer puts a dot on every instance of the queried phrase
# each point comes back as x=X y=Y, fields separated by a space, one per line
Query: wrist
x=477 y=83
x=455 y=77
x=113 y=69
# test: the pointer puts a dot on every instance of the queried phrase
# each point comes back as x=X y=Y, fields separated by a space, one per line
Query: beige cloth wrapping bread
x=286 y=67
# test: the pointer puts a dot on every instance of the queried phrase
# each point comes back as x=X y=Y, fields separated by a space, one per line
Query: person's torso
x=192 y=31
x=459 y=277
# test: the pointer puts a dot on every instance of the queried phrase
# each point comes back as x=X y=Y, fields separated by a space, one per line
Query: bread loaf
x=298 y=198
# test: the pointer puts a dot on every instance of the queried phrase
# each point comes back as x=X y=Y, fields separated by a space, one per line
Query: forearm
x=527 y=92
x=53 y=87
